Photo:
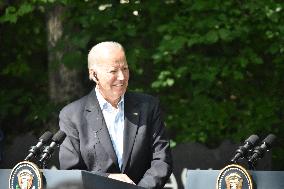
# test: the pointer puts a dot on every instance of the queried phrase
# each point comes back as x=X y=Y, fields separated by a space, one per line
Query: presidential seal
x=234 y=177
x=25 y=175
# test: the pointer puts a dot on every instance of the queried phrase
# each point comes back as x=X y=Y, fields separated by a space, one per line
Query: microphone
x=259 y=151
x=57 y=139
x=34 y=150
x=243 y=150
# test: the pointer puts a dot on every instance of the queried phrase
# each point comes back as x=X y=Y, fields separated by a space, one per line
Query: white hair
x=99 y=49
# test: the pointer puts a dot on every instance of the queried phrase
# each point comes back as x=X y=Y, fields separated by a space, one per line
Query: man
x=113 y=132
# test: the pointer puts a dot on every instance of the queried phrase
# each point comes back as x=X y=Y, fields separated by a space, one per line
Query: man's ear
x=93 y=76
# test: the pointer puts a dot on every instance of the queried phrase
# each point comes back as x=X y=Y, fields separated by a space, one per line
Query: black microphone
x=243 y=150
x=57 y=139
x=259 y=151
x=34 y=150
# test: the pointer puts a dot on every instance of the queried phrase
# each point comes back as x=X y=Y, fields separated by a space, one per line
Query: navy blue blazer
x=146 y=154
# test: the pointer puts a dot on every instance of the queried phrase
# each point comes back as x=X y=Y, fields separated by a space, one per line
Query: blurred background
x=217 y=66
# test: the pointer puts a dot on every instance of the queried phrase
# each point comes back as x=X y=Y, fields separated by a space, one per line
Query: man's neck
x=113 y=102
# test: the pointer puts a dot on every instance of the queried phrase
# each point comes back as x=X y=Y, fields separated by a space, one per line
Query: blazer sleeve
x=69 y=152
x=161 y=164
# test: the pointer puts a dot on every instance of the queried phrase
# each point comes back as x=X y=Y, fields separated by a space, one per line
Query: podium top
x=75 y=179
x=200 y=179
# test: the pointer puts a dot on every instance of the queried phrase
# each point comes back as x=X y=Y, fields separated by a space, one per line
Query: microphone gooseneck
x=57 y=139
x=260 y=150
x=242 y=151
x=35 y=150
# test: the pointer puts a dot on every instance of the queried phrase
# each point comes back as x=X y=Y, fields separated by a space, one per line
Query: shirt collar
x=105 y=104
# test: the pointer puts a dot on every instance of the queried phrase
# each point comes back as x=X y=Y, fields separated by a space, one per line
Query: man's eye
x=112 y=71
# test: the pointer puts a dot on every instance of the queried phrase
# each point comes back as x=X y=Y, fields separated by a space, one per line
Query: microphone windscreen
x=252 y=139
x=59 y=137
x=269 y=140
x=46 y=137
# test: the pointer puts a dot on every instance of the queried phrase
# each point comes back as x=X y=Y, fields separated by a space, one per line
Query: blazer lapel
x=95 y=118
x=132 y=114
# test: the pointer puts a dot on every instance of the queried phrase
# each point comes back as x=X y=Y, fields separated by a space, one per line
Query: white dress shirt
x=114 y=119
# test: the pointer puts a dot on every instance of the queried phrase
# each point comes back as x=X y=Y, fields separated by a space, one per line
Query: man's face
x=112 y=75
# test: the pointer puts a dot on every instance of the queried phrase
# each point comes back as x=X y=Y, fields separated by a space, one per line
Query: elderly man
x=112 y=132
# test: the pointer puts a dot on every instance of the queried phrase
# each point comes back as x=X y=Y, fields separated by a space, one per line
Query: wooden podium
x=71 y=179
x=201 y=179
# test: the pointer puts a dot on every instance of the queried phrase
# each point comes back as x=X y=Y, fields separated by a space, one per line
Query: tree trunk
x=64 y=83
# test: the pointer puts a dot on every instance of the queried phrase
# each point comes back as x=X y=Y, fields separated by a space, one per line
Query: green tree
x=217 y=66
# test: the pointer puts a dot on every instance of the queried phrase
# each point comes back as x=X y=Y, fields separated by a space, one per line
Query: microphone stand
x=44 y=165
x=251 y=165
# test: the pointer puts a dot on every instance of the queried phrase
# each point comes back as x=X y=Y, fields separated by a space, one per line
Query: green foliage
x=23 y=70
x=217 y=66
x=12 y=14
x=230 y=84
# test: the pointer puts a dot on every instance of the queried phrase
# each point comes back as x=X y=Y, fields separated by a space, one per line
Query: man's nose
x=120 y=75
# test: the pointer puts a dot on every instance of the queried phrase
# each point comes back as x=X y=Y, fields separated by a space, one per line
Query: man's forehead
x=106 y=52
x=115 y=64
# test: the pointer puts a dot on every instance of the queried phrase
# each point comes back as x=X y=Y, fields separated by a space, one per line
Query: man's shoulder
x=141 y=97
x=77 y=105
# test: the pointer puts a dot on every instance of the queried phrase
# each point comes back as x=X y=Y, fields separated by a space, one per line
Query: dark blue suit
x=146 y=154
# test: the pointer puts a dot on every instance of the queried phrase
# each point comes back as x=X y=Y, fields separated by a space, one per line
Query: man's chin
x=120 y=92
